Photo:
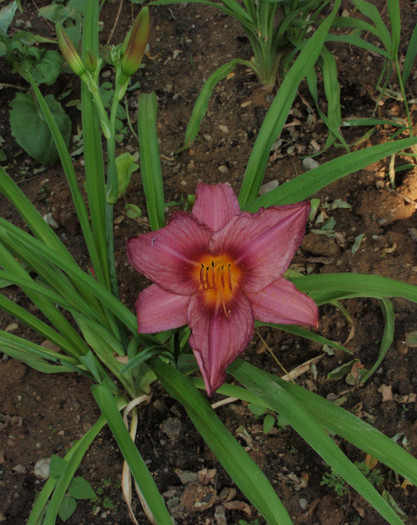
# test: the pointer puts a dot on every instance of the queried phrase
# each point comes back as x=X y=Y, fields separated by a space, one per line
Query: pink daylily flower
x=217 y=270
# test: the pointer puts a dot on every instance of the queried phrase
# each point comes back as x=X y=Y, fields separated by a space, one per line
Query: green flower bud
x=91 y=62
x=69 y=52
x=135 y=44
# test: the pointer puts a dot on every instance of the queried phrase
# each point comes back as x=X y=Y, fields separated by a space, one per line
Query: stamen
x=202 y=274
x=218 y=277
x=221 y=269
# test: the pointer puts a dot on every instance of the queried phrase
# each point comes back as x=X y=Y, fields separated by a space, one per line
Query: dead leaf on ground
x=386 y=391
x=206 y=475
x=238 y=505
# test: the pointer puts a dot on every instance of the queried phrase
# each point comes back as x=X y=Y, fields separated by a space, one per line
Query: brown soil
x=41 y=415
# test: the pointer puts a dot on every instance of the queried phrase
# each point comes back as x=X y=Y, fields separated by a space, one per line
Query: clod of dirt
x=320 y=245
x=328 y=512
x=198 y=498
x=172 y=428
x=408 y=188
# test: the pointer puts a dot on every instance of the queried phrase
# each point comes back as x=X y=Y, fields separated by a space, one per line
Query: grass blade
x=93 y=152
x=35 y=356
x=387 y=338
x=371 y=12
x=410 y=55
x=150 y=164
x=283 y=402
x=306 y=184
x=200 y=107
x=302 y=332
x=328 y=287
x=69 y=171
x=278 y=112
x=137 y=466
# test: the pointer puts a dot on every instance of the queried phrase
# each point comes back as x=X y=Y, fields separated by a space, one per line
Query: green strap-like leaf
x=299 y=331
x=410 y=55
x=93 y=152
x=150 y=164
x=296 y=415
x=309 y=183
x=387 y=338
x=137 y=466
x=278 y=112
x=200 y=107
x=328 y=287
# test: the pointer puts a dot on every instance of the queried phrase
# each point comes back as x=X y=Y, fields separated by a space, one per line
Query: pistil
x=216 y=276
x=216 y=280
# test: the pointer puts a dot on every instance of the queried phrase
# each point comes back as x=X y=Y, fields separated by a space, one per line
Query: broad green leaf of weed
x=31 y=131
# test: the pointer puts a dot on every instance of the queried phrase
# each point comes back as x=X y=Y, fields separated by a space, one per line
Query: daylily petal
x=167 y=256
x=282 y=303
x=263 y=244
x=217 y=340
x=215 y=205
x=158 y=310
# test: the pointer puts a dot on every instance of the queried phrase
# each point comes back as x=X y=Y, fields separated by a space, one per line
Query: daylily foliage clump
x=217 y=270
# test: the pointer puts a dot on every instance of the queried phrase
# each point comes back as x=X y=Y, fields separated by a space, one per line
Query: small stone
x=303 y=503
x=12 y=327
x=172 y=428
x=268 y=186
x=223 y=128
x=224 y=170
x=411 y=231
x=48 y=218
x=19 y=469
x=50 y=345
x=186 y=476
x=220 y=515
x=41 y=469
x=310 y=164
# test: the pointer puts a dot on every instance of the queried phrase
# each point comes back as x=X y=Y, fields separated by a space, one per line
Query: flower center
x=219 y=278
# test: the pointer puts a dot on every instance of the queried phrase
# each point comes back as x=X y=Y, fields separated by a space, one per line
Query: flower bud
x=69 y=52
x=135 y=44
x=91 y=62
